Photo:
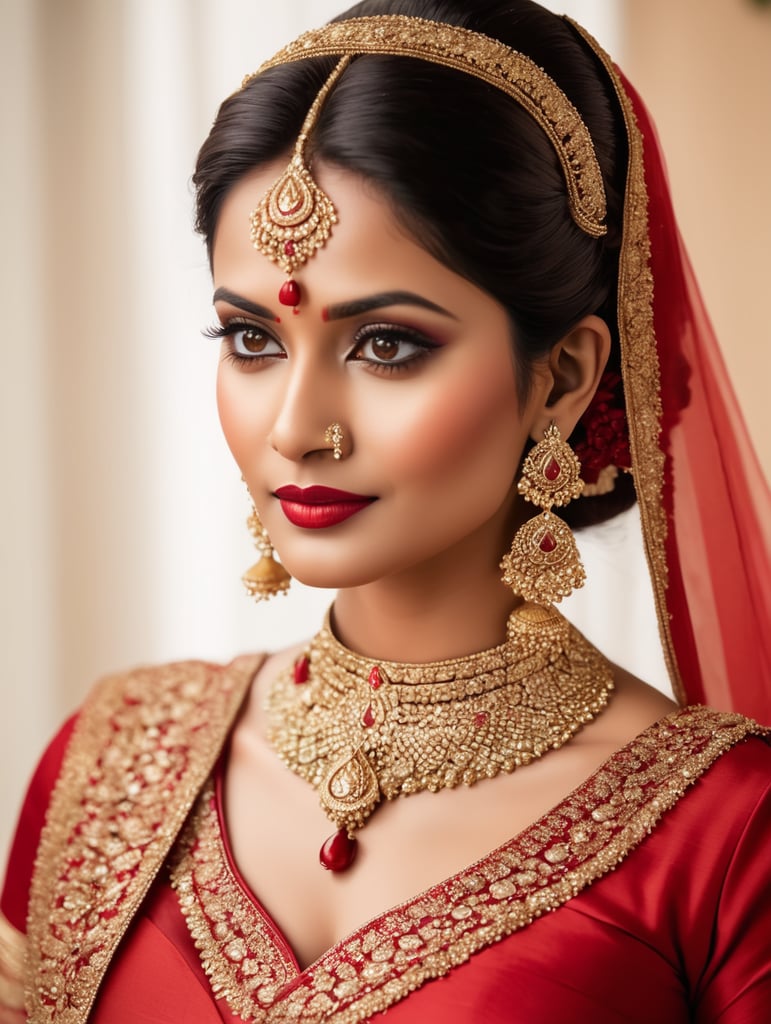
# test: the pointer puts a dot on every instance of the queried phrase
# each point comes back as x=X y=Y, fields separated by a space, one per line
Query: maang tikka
x=543 y=564
x=294 y=218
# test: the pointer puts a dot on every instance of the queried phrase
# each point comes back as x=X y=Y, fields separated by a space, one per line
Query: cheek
x=455 y=425
x=239 y=416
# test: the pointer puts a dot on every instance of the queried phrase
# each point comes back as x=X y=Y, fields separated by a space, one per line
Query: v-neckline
x=252 y=965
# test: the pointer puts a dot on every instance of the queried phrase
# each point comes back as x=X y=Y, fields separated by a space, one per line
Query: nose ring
x=333 y=435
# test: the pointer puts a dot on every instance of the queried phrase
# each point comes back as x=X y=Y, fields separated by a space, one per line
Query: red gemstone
x=301 y=670
x=480 y=719
x=289 y=248
x=368 y=718
x=552 y=469
x=338 y=852
x=548 y=543
x=375 y=680
x=289 y=294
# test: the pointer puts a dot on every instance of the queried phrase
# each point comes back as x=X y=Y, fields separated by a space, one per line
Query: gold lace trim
x=13 y=946
x=640 y=364
x=487 y=59
x=142 y=747
x=585 y=836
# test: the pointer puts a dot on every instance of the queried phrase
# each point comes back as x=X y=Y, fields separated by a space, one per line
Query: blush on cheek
x=459 y=423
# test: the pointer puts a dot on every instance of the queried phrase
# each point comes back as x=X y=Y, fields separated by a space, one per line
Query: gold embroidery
x=237 y=949
x=13 y=945
x=142 y=747
x=640 y=364
x=585 y=836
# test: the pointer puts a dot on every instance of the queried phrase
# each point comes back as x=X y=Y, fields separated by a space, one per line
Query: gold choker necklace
x=360 y=730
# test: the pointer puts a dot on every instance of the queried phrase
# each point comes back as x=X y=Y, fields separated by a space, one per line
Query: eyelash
x=365 y=334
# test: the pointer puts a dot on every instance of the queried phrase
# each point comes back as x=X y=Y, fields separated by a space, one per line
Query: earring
x=543 y=564
x=266 y=577
x=334 y=435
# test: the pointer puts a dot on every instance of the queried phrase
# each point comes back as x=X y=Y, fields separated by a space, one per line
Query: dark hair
x=469 y=173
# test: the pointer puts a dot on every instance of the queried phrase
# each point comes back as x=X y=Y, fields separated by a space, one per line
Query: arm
x=736 y=986
x=15 y=895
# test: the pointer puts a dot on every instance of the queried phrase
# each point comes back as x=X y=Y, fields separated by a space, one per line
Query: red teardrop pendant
x=289 y=295
x=368 y=718
x=552 y=470
x=338 y=852
x=548 y=543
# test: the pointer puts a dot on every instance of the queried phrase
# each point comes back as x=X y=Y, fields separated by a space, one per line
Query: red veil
x=704 y=502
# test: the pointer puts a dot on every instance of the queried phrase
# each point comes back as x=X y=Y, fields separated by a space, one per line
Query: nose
x=311 y=398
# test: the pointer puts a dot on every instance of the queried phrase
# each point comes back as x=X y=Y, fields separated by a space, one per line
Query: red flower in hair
x=607 y=435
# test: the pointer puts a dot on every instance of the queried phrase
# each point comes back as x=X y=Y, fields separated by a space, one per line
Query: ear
x=574 y=367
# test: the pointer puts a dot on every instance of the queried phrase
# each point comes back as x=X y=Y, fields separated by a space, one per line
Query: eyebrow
x=223 y=295
x=341 y=310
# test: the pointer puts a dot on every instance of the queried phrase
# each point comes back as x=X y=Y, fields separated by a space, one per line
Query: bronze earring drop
x=267 y=576
x=543 y=564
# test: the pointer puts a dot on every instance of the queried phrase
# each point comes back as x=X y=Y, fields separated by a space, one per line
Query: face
x=415 y=364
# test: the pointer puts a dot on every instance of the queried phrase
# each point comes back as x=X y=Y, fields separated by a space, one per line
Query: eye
x=247 y=341
x=391 y=347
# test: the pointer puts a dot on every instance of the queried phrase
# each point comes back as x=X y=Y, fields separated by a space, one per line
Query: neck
x=447 y=608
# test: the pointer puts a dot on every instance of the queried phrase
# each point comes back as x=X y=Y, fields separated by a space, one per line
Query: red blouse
x=679 y=931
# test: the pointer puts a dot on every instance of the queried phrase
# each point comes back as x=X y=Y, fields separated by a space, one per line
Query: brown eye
x=385 y=348
x=254 y=341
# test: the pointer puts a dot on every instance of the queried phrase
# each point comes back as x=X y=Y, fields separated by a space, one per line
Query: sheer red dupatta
x=716 y=498
x=704 y=503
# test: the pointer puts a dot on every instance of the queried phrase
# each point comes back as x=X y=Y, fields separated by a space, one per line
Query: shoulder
x=121 y=714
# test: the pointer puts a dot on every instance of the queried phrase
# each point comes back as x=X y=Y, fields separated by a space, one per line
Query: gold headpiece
x=294 y=218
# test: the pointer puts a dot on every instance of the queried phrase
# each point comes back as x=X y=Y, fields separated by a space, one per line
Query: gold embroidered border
x=13 y=946
x=238 y=951
x=584 y=837
x=640 y=364
x=142 y=747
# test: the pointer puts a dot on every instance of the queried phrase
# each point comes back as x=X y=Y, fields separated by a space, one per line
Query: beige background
x=122 y=533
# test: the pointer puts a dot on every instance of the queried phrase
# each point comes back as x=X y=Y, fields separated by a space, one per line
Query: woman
x=434 y=238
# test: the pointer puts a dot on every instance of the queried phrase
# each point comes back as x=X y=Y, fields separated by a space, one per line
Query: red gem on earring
x=289 y=294
x=289 y=248
x=552 y=470
x=368 y=718
x=548 y=543
x=301 y=670
x=338 y=852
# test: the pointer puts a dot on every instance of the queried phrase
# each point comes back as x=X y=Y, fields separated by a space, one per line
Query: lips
x=318 y=507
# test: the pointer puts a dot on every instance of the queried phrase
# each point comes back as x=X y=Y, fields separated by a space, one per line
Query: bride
x=455 y=322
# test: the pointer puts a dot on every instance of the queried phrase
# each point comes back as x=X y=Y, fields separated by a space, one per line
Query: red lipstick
x=317 y=507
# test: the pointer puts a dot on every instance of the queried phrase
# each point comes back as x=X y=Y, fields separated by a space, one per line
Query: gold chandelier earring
x=266 y=577
x=543 y=564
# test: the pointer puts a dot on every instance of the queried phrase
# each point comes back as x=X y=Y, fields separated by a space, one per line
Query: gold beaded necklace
x=360 y=731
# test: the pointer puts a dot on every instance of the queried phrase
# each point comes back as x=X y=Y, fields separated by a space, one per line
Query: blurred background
x=123 y=533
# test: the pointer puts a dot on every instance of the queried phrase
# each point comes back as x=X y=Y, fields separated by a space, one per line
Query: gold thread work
x=482 y=57
x=142 y=748
x=587 y=835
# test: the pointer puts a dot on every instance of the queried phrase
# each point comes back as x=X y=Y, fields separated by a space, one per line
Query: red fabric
x=678 y=932
x=21 y=858
x=717 y=499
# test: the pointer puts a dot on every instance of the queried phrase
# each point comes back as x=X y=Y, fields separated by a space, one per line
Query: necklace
x=360 y=730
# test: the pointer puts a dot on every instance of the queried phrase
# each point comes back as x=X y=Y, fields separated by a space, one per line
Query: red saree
x=659 y=901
